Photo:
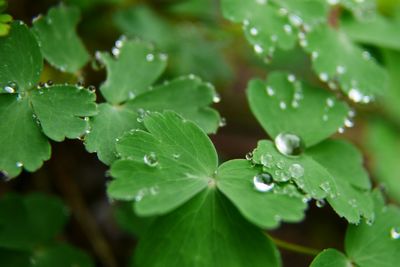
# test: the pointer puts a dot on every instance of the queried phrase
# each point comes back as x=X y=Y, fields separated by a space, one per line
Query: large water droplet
x=296 y=170
x=263 y=182
x=11 y=87
x=289 y=144
x=150 y=159
x=395 y=233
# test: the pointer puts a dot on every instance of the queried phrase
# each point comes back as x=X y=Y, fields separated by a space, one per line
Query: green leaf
x=164 y=167
x=376 y=245
x=61 y=108
x=383 y=143
x=206 y=231
x=379 y=31
x=283 y=104
x=131 y=71
x=265 y=209
x=391 y=98
x=331 y=258
x=21 y=61
x=336 y=59
x=362 y=10
x=193 y=48
x=313 y=178
x=344 y=162
x=62 y=256
x=58 y=40
x=31 y=220
x=187 y=95
x=22 y=144
x=265 y=28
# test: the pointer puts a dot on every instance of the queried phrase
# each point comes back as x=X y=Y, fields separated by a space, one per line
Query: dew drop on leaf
x=19 y=164
x=289 y=144
x=149 y=57
x=216 y=98
x=150 y=159
x=270 y=91
x=282 y=105
x=258 y=49
x=249 y=156
x=355 y=95
x=323 y=76
x=222 y=122
x=296 y=170
x=320 y=203
x=395 y=233
x=263 y=182
x=326 y=186
x=267 y=160
x=253 y=31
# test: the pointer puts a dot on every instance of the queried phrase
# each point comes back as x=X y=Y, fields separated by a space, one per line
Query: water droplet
x=267 y=160
x=115 y=51
x=282 y=11
x=325 y=117
x=258 y=49
x=296 y=171
x=326 y=187
x=11 y=87
x=348 y=123
x=249 y=156
x=341 y=130
x=291 y=78
x=287 y=28
x=253 y=31
x=131 y=95
x=270 y=91
x=141 y=115
x=295 y=20
x=314 y=55
x=340 y=69
x=163 y=57
x=303 y=43
x=280 y=164
x=330 y=102
x=366 y=55
x=323 y=76
x=355 y=95
x=19 y=164
x=282 y=105
x=320 y=203
x=49 y=83
x=289 y=144
x=150 y=159
x=395 y=233
x=149 y=57
x=263 y=182
x=222 y=122
x=216 y=98
x=353 y=203
x=176 y=156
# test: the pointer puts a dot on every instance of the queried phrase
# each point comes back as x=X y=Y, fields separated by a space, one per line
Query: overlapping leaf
x=28 y=227
x=337 y=60
x=130 y=95
x=191 y=48
x=369 y=244
x=171 y=163
x=206 y=231
x=58 y=39
x=285 y=106
x=383 y=143
x=28 y=113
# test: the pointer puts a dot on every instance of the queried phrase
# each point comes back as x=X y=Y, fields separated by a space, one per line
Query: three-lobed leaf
x=58 y=40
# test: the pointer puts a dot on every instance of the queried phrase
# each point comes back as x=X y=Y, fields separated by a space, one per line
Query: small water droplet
x=320 y=203
x=341 y=130
x=366 y=55
x=282 y=11
x=395 y=233
x=323 y=76
x=149 y=57
x=216 y=98
x=280 y=164
x=287 y=28
x=326 y=187
x=353 y=203
x=295 y=20
x=289 y=144
x=291 y=78
x=141 y=115
x=258 y=49
x=176 y=156
x=267 y=160
x=263 y=182
x=19 y=164
x=296 y=171
x=222 y=122
x=348 y=123
x=330 y=102
x=340 y=69
x=253 y=31
x=314 y=55
x=355 y=95
x=249 y=156
x=282 y=105
x=150 y=159
x=131 y=95
x=270 y=91
x=11 y=87
x=115 y=51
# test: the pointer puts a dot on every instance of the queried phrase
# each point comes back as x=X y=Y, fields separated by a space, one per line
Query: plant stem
x=294 y=247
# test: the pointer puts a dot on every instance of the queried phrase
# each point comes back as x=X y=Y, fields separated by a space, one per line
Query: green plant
x=151 y=123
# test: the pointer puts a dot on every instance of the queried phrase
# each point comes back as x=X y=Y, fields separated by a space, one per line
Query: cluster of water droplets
x=151 y=191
